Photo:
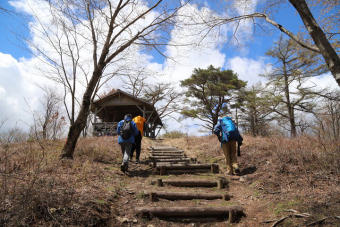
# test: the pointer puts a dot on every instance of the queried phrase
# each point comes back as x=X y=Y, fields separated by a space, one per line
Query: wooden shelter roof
x=117 y=103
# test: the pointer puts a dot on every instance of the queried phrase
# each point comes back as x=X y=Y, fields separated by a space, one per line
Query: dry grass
x=37 y=188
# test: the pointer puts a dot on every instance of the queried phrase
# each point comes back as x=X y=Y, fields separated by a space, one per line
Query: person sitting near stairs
x=227 y=133
x=126 y=130
x=140 y=121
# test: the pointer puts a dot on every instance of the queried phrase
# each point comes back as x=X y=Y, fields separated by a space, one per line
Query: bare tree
x=255 y=114
x=286 y=91
x=328 y=118
x=322 y=42
x=164 y=97
x=135 y=82
x=48 y=121
x=104 y=30
x=2 y=123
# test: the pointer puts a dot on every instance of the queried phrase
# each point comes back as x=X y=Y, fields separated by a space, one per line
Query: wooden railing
x=105 y=129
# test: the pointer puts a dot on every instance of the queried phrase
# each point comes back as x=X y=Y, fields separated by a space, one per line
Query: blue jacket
x=132 y=137
x=221 y=129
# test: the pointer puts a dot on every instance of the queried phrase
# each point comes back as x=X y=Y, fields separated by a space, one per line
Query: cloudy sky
x=245 y=54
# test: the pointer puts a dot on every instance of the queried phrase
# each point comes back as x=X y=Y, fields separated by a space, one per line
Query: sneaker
x=137 y=161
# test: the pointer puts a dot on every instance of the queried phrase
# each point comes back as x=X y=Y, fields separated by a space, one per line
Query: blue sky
x=248 y=59
x=14 y=28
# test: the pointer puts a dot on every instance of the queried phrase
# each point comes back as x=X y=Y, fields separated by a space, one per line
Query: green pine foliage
x=207 y=91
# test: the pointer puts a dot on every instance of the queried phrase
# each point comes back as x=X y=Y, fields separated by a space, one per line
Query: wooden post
x=153 y=198
x=214 y=168
x=159 y=182
x=226 y=197
x=162 y=170
x=220 y=184
x=231 y=216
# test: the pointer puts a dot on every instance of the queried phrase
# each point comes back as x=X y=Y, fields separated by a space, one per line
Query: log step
x=163 y=148
x=154 y=196
x=167 y=153
x=170 y=162
x=186 y=168
x=173 y=160
x=166 y=156
x=160 y=162
x=220 y=183
x=234 y=213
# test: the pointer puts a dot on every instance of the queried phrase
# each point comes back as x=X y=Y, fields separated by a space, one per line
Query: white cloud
x=191 y=55
x=15 y=90
x=249 y=69
x=326 y=81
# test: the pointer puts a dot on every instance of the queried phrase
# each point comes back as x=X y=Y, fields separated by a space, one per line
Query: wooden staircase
x=167 y=160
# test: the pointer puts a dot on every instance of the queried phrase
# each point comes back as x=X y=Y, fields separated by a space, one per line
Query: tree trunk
x=44 y=129
x=80 y=122
x=290 y=107
x=329 y=54
x=292 y=122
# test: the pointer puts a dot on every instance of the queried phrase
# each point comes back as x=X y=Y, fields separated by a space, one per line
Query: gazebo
x=110 y=109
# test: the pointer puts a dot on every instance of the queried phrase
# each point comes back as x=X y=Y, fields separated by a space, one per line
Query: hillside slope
x=278 y=174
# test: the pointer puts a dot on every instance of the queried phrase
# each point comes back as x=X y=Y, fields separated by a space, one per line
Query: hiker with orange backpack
x=140 y=121
x=126 y=130
x=228 y=134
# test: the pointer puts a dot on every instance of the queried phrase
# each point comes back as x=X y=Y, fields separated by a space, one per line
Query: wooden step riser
x=220 y=183
x=231 y=212
x=163 y=149
x=204 y=167
x=154 y=196
x=173 y=160
x=166 y=156
x=166 y=153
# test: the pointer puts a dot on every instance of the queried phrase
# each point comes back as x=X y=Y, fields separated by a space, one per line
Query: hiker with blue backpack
x=228 y=134
x=126 y=130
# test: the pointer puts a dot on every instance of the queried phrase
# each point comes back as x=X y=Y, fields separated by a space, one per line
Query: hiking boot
x=137 y=161
x=124 y=167
x=237 y=171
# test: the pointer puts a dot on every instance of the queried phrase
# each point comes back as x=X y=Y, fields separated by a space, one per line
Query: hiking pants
x=126 y=150
x=137 y=146
x=229 y=150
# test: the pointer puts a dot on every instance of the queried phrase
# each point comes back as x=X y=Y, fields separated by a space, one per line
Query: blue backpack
x=229 y=130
